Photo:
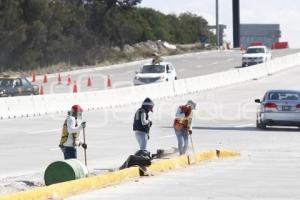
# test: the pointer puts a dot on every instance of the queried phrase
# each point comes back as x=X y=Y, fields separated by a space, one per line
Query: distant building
x=265 y=34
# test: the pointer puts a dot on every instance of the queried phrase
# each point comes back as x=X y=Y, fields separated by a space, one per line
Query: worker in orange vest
x=183 y=125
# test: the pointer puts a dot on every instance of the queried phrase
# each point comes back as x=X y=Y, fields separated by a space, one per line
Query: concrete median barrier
x=38 y=105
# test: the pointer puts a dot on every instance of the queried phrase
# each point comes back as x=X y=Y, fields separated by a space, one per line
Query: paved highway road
x=269 y=166
x=225 y=118
x=188 y=65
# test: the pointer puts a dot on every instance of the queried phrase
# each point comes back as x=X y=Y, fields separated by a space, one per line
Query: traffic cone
x=33 y=77
x=42 y=90
x=242 y=49
x=75 y=89
x=59 y=79
x=69 y=80
x=45 y=78
x=109 y=82
x=89 y=82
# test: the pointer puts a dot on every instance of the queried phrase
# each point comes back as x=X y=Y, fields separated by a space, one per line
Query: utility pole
x=236 y=23
x=217 y=24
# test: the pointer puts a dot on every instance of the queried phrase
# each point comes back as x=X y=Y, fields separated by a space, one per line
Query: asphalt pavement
x=225 y=118
x=187 y=65
x=269 y=165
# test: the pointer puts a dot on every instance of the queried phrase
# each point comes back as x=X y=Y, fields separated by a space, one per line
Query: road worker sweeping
x=183 y=125
x=70 y=137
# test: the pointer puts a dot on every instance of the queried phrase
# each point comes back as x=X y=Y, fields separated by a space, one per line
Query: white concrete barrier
x=26 y=106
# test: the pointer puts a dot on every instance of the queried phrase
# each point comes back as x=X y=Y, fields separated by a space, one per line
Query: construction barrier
x=69 y=188
x=280 y=45
x=27 y=106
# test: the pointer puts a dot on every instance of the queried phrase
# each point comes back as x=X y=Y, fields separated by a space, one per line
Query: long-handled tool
x=85 y=162
x=192 y=143
x=193 y=149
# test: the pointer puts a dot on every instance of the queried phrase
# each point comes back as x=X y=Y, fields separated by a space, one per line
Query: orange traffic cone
x=242 y=49
x=33 y=76
x=109 y=82
x=75 y=89
x=69 y=80
x=45 y=78
x=59 y=79
x=41 y=90
x=89 y=83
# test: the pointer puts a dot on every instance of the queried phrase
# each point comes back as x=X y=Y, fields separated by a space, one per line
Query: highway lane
x=187 y=65
x=269 y=165
x=224 y=118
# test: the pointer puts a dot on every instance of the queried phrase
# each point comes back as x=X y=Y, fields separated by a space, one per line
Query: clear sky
x=283 y=12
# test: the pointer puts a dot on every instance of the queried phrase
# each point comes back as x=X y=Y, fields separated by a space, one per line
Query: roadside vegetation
x=37 y=34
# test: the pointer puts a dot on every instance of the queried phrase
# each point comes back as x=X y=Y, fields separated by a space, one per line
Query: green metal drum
x=65 y=170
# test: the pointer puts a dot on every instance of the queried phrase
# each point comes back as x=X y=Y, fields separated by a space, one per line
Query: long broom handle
x=192 y=143
x=85 y=161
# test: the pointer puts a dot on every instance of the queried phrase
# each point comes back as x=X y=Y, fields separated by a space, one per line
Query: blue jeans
x=142 y=139
x=69 y=152
x=183 y=140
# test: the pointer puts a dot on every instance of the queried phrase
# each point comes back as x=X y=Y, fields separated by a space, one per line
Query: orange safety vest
x=183 y=123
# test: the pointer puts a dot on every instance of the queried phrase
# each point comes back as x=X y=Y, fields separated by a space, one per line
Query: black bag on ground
x=141 y=158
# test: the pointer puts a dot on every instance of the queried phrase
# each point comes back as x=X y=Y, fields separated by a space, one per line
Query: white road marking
x=229 y=59
x=42 y=131
x=244 y=125
x=54 y=149
x=215 y=63
x=167 y=136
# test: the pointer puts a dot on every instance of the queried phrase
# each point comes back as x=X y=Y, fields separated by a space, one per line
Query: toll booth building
x=259 y=34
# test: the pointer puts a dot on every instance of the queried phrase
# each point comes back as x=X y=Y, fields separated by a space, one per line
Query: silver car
x=279 y=108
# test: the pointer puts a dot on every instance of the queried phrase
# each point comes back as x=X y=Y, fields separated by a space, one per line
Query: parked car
x=279 y=108
x=16 y=86
x=256 y=55
x=153 y=73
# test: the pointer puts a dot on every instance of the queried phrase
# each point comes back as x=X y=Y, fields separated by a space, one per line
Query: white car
x=153 y=73
x=256 y=55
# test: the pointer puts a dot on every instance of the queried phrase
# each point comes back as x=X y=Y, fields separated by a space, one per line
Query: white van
x=153 y=73
x=256 y=55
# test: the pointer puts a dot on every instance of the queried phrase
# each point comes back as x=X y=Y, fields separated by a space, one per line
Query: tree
x=39 y=33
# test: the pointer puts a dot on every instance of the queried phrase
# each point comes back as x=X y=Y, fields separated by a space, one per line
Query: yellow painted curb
x=65 y=189
x=61 y=190
x=226 y=153
x=206 y=155
x=166 y=165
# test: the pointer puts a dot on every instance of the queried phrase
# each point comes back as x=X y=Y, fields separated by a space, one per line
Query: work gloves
x=84 y=145
x=83 y=124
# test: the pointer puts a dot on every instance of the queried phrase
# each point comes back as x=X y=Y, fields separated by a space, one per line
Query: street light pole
x=217 y=24
x=236 y=23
